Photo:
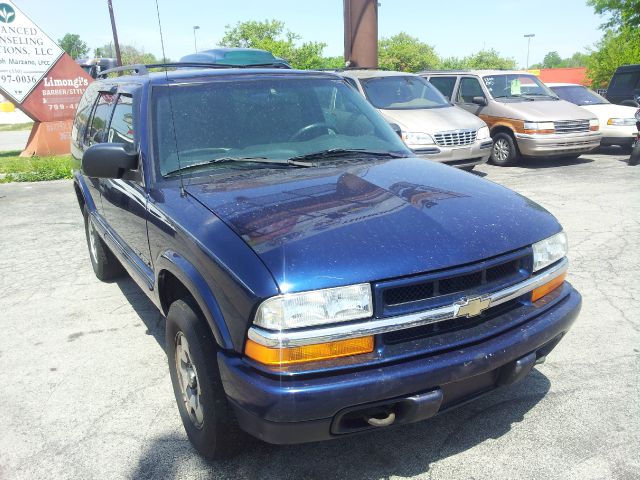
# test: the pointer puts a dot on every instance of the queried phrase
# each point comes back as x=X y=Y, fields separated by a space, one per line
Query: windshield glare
x=275 y=118
x=579 y=95
x=517 y=86
x=402 y=93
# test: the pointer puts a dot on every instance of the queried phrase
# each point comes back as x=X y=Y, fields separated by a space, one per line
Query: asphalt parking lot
x=85 y=390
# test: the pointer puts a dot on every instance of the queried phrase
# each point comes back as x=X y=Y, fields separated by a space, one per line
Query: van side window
x=469 y=88
x=121 y=127
x=444 y=84
x=100 y=119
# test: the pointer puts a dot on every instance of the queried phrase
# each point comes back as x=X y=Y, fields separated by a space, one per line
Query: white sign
x=26 y=52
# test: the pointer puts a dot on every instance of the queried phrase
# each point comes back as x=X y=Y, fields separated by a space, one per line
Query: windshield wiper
x=517 y=95
x=343 y=152
x=541 y=95
x=272 y=161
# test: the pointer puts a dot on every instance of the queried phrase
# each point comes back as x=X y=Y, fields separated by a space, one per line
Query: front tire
x=206 y=414
x=504 y=153
x=105 y=265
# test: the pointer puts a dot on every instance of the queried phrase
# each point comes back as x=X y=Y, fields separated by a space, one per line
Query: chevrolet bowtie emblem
x=470 y=307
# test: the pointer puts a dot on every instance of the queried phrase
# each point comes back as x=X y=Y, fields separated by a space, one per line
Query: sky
x=458 y=28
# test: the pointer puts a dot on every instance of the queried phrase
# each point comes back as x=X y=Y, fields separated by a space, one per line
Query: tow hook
x=382 y=422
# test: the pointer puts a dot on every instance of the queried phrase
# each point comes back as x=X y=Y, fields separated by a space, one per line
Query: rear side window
x=625 y=81
x=121 y=127
x=469 y=88
x=100 y=120
x=444 y=84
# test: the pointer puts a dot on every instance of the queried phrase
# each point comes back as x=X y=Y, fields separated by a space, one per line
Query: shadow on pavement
x=535 y=163
x=405 y=451
x=146 y=310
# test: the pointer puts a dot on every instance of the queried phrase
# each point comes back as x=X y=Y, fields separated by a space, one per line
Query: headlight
x=622 y=122
x=317 y=307
x=483 y=132
x=549 y=250
x=540 y=127
x=594 y=124
x=638 y=115
x=417 y=138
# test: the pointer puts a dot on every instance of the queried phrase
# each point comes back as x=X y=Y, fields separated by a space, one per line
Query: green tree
x=130 y=54
x=552 y=60
x=271 y=35
x=616 y=48
x=406 y=53
x=483 y=59
x=622 y=13
x=73 y=45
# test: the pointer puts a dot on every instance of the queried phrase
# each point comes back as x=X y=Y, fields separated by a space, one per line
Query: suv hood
x=432 y=120
x=544 y=111
x=336 y=225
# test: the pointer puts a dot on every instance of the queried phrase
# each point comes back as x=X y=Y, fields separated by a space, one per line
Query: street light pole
x=528 y=36
x=195 y=43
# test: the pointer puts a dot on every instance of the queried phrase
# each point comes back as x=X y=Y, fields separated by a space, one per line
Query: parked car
x=526 y=119
x=617 y=122
x=236 y=56
x=431 y=126
x=318 y=280
x=624 y=87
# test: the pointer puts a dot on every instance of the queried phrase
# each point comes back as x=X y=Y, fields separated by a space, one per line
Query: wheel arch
x=176 y=277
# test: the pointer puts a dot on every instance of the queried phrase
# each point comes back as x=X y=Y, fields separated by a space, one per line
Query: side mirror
x=480 y=101
x=108 y=160
x=396 y=128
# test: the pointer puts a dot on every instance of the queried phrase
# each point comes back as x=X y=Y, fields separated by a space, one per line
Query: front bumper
x=548 y=145
x=285 y=409
x=467 y=156
x=623 y=136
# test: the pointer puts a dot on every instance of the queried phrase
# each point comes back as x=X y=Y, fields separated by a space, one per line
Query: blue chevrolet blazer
x=317 y=279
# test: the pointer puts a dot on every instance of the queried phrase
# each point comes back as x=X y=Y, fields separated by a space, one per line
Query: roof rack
x=141 y=70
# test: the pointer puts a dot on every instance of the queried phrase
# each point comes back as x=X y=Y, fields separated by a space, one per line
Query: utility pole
x=361 y=33
x=115 y=34
x=528 y=36
x=195 y=43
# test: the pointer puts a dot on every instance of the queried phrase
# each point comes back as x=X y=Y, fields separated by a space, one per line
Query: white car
x=617 y=122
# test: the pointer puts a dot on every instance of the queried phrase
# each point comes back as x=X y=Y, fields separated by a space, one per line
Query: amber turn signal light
x=307 y=353
x=548 y=287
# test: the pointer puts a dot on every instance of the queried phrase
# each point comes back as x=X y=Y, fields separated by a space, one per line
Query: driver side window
x=469 y=88
x=96 y=133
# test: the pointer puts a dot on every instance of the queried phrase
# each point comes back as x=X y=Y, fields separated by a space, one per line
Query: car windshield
x=273 y=117
x=402 y=93
x=579 y=95
x=518 y=87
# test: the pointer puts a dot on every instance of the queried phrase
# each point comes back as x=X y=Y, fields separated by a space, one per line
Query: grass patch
x=16 y=126
x=14 y=168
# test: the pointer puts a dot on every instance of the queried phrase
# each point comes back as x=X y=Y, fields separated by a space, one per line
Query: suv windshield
x=402 y=93
x=517 y=86
x=579 y=95
x=275 y=118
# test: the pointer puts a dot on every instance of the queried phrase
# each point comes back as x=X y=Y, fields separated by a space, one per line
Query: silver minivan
x=430 y=125
x=525 y=117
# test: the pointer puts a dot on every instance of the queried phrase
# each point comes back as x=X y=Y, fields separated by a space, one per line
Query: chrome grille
x=455 y=138
x=571 y=126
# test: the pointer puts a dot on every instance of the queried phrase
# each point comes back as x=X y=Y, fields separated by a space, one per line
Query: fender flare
x=172 y=262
